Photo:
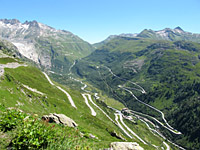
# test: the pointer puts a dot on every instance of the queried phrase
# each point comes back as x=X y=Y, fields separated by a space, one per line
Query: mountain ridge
x=32 y=91
x=155 y=74
x=48 y=47
x=32 y=23
x=167 y=70
x=165 y=34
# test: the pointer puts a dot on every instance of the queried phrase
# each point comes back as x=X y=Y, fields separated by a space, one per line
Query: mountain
x=168 y=34
x=25 y=87
x=100 y=121
x=8 y=48
x=140 y=88
x=50 y=48
x=96 y=45
x=150 y=77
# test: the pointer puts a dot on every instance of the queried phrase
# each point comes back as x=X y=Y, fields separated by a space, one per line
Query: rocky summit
x=44 y=45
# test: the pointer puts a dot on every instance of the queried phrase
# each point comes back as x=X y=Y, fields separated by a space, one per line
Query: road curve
x=86 y=101
x=90 y=98
x=143 y=91
x=133 y=133
x=163 y=116
x=61 y=89
x=168 y=148
x=120 y=126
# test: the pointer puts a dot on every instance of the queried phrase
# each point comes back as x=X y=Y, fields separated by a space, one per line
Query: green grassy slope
x=168 y=71
x=54 y=100
x=13 y=93
x=6 y=60
x=63 y=50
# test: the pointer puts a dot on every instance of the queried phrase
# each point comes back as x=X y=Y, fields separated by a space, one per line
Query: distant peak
x=167 y=30
x=179 y=28
x=145 y=30
x=10 y=21
x=32 y=23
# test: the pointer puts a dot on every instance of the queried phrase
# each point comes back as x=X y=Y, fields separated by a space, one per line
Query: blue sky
x=95 y=20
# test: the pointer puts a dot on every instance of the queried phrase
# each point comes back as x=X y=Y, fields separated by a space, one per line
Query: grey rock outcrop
x=44 y=45
x=60 y=119
x=125 y=146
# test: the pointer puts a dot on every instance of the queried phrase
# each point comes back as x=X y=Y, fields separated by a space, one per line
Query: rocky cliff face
x=43 y=44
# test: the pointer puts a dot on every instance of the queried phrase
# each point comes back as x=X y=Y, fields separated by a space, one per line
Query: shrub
x=33 y=134
x=29 y=132
x=10 y=119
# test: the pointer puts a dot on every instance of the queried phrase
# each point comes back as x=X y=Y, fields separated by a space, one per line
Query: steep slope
x=151 y=76
x=48 y=47
x=32 y=91
x=8 y=48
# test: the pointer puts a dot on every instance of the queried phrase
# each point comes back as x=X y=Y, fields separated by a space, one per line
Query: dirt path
x=9 y=65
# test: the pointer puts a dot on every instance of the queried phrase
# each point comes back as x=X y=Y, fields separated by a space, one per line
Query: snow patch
x=178 y=31
x=25 y=26
x=162 y=33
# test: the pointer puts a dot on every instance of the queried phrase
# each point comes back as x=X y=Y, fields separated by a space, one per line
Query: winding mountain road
x=163 y=116
x=120 y=126
x=33 y=90
x=119 y=115
x=168 y=148
x=143 y=91
x=96 y=95
x=117 y=112
x=66 y=93
x=133 y=133
x=87 y=103
x=90 y=98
